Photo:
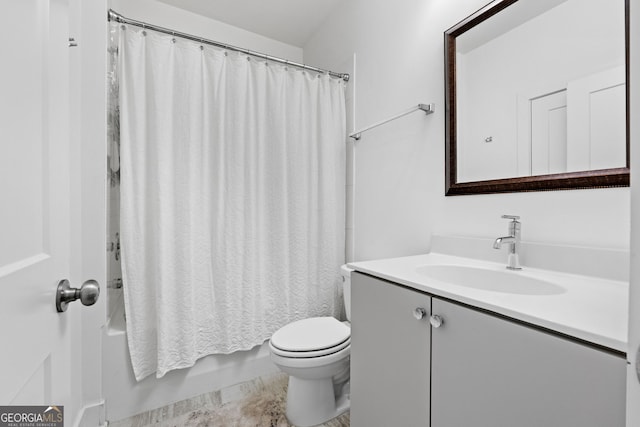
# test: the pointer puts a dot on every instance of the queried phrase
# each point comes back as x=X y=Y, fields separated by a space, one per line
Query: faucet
x=513 y=239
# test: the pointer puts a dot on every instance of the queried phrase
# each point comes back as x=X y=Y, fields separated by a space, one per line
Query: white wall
x=164 y=15
x=399 y=176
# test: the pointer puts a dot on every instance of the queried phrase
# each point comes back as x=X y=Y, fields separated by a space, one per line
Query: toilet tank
x=346 y=289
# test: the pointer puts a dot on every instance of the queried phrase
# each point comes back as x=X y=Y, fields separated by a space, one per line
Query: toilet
x=315 y=353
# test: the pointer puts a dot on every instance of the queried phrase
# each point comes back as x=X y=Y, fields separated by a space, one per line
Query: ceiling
x=289 y=21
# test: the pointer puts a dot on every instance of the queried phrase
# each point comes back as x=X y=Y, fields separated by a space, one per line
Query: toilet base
x=313 y=402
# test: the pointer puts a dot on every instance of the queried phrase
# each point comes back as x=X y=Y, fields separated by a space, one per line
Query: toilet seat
x=311 y=353
x=308 y=338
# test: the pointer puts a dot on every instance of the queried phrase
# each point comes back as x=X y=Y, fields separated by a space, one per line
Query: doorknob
x=87 y=294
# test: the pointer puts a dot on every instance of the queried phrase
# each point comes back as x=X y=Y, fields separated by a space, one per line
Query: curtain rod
x=427 y=108
x=115 y=16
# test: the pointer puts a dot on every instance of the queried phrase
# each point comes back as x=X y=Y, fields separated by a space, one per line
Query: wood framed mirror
x=537 y=97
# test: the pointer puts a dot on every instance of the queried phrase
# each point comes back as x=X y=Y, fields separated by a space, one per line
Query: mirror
x=536 y=97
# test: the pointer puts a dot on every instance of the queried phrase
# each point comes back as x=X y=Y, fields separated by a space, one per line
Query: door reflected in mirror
x=537 y=97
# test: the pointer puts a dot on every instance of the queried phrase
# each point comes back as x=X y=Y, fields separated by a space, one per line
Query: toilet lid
x=316 y=333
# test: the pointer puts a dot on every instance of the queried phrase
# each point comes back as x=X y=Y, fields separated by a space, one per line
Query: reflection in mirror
x=537 y=94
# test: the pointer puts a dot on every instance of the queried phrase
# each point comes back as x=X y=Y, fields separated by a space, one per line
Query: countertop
x=591 y=309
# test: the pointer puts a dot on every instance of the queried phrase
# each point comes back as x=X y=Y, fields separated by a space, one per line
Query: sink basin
x=512 y=282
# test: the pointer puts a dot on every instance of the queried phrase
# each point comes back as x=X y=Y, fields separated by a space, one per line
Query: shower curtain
x=233 y=194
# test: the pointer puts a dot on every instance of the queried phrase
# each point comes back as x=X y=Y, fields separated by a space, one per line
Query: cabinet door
x=389 y=355
x=491 y=372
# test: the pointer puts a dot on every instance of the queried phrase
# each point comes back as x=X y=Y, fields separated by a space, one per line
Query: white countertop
x=592 y=309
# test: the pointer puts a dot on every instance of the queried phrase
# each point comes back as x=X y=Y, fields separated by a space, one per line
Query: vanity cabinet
x=490 y=371
x=390 y=357
x=475 y=369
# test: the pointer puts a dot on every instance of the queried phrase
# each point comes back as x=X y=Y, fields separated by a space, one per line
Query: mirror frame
x=602 y=178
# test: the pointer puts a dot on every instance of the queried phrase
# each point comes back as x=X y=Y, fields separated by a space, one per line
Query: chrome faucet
x=513 y=239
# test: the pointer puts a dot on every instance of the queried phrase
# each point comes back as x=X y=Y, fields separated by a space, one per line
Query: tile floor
x=255 y=403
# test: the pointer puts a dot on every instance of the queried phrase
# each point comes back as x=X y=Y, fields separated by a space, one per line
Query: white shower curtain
x=233 y=194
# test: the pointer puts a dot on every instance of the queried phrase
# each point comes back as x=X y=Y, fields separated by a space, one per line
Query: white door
x=549 y=134
x=596 y=121
x=40 y=227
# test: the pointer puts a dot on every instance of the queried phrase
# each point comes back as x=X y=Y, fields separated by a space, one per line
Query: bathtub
x=125 y=397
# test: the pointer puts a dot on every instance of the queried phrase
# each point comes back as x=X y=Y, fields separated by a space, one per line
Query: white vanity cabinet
x=490 y=371
x=475 y=369
x=389 y=354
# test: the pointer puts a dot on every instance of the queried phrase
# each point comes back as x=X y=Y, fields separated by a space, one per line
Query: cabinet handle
x=436 y=321
x=419 y=313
